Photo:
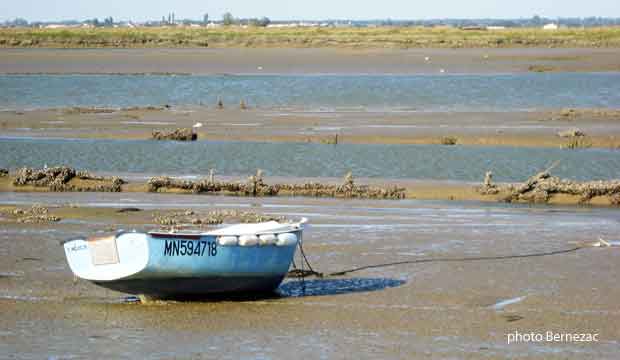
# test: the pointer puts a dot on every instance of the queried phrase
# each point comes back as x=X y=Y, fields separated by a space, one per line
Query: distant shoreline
x=300 y=37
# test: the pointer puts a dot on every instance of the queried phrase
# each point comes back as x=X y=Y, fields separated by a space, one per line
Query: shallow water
x=447 y=92
x=438 y=309
x=437 y=162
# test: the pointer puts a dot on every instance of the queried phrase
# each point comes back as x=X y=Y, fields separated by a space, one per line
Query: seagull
x=197 y=125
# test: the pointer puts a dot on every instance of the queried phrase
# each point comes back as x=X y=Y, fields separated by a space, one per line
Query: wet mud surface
x=509 y=128
x=432 y=310
x=304 y=61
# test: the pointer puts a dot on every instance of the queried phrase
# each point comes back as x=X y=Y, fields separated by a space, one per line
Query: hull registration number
x=190 y=248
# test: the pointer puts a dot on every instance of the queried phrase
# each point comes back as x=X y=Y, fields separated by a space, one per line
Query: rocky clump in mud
x=576 y=139
x=572 y=132
x=63 y=178
x=577 y=114
x=488 y=187
x=448 y=140
x=256 y=186
x=542 y=186
x=348 y=189
x=189 y=218
x=36 y=214
x=181 y=134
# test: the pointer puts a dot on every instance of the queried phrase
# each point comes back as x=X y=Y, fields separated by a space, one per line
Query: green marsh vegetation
x=298 y=37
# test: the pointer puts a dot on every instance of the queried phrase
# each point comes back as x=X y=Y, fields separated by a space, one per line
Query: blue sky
x=139 y=10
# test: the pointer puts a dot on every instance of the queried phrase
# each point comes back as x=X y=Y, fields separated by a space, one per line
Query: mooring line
x=462 y=259
x=311 y=272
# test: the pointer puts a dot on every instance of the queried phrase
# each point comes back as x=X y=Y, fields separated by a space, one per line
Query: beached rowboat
x=237 y=258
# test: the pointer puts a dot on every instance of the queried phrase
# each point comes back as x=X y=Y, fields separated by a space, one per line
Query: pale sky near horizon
x=140 y=10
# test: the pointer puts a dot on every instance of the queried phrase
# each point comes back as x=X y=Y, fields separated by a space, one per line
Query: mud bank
x=255 y=185
x=516 y=129
x=391 y=312
x=306 y=61
x=541 y=187
x=546 y=189
x=63 y=178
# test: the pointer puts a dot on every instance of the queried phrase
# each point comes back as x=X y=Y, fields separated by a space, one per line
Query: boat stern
x=107 y=258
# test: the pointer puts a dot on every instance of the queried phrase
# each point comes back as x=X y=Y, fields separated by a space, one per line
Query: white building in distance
x=551 y=26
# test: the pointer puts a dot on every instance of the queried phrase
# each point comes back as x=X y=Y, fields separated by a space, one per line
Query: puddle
x=242 y=124
x=328 y=128
x=146 y=123
x=502 y=304
x=6 y=274
x=22 y=298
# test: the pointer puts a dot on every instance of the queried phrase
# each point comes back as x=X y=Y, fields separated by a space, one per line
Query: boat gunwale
x=116 y=235
x=291 y=228
x=156 y=234
x=192 y=236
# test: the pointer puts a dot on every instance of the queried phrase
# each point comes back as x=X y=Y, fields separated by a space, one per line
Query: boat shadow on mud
x=297 y=288
x=323 y=287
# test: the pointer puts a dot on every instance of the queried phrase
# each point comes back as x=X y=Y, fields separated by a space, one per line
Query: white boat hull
x=174 y=264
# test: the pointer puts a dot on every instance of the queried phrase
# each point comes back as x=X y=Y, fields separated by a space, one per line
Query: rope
x=311 y=272
x=462 y=259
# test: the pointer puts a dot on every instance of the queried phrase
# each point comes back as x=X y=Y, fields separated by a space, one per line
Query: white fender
x=267 y=239
x=227 y=240
x=286 y=239
x=248 y=240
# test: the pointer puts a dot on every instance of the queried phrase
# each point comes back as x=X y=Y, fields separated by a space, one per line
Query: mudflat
x=421 y=310
x=306 y=61
x=518 y=128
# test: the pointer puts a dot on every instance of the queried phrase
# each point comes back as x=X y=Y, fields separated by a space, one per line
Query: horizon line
x=328 y=19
